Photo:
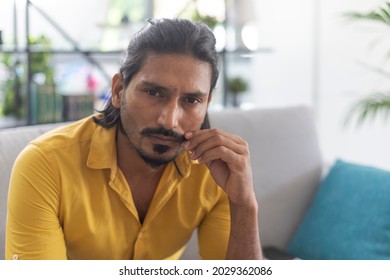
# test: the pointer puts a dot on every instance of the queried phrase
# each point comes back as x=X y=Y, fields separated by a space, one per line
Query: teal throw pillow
x=349 y=217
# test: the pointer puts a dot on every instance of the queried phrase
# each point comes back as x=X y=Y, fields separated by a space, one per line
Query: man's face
x=166 y=98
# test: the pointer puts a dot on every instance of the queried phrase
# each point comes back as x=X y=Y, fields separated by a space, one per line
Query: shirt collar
x=183 y=164
x=102 y=152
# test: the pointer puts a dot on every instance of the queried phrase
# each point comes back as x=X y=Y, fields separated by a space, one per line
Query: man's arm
x=244 y=241
x=33 y=227
x=227 y=157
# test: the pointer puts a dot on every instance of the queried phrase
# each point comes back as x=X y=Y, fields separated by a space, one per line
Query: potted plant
x=191 y=11
x=236 y=86
x=377 y=102
x=10 y=85
x=14 y=85
x=206 y=19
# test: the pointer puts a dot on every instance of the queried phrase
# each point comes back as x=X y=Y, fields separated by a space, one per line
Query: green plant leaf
x=206 y=19
x=369 y=108
x=237 y=85
x=380 y=14
x=377 y=103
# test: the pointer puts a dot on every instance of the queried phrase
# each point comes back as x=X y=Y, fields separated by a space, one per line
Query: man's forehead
x=158 y=67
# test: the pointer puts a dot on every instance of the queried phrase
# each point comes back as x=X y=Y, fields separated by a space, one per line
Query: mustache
x=164 y=132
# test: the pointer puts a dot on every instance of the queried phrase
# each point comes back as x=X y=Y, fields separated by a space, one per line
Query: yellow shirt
x=69 y=200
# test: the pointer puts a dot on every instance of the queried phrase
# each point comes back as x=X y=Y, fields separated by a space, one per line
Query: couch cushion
x=12 y=141
x=349 y=217
x=286 y=164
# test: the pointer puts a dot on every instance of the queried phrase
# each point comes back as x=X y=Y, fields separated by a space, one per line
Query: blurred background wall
x=286 y=53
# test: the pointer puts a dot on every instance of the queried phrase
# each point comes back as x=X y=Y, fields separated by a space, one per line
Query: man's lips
x=164 y=139
x=162 y=134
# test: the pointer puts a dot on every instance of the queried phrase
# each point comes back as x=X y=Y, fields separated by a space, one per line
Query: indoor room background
x=273 y=53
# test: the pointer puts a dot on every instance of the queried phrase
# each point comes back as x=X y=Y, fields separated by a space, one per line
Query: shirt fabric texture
x=68 y=199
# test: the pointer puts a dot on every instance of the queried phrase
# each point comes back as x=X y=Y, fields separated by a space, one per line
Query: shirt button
x=15 y=257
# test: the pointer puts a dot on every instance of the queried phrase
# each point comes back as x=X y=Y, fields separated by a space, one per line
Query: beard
x=155 y=161
x=160 y=155
x=161 y=158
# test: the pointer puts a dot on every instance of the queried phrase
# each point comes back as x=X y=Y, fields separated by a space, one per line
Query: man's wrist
x=248 y=205
x=245 y=214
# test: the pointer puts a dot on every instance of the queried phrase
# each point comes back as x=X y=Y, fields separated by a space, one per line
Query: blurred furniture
x=287 y=167
x=285 y=155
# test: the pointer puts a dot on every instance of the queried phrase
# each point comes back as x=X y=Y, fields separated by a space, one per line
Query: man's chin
x=160 y=155
x=156 y=161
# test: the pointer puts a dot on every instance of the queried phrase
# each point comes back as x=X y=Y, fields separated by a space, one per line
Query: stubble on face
x=160 y=154
x=179 y=77
x=160 y=149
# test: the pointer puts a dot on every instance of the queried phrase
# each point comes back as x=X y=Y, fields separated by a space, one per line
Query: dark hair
x=178 y=36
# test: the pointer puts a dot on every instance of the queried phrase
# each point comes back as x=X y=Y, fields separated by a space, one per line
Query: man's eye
x=152 y=92
x=193 y=100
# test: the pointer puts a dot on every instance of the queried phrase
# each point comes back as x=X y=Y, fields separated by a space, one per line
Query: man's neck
x=140 y=176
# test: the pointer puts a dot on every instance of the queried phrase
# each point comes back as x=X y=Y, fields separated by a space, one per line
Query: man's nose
x=170 y=115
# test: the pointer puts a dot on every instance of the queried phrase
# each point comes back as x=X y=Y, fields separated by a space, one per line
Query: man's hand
x=227 y=157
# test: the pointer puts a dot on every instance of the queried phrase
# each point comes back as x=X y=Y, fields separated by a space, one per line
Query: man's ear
x=117 y=90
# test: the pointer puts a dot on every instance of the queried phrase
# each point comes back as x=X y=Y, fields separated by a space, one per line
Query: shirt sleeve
x=33 y=228
x=214 y=231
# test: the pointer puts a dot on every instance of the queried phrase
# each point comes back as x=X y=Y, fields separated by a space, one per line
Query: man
x=135 y=181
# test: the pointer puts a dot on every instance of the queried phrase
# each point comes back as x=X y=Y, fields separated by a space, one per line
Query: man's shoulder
x=67 y=135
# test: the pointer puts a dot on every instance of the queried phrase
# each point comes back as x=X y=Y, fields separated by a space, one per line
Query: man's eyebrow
x=196 y=94
x=154 y=85
x=162 y=88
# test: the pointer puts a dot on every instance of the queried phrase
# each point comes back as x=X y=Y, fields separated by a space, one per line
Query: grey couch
x=286 y=160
